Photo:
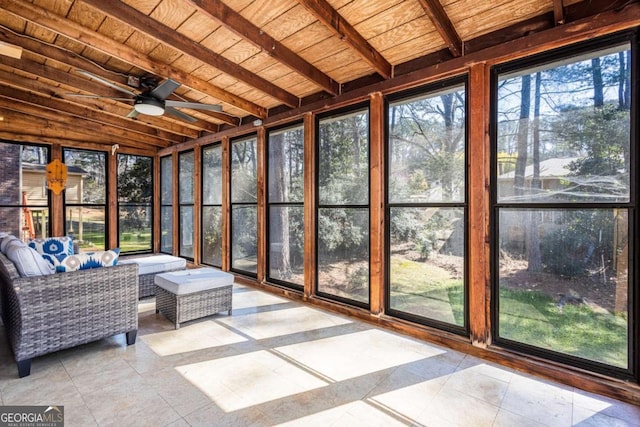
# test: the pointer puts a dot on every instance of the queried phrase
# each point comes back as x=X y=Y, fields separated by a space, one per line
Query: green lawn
x=426 y=290
x=534 y=318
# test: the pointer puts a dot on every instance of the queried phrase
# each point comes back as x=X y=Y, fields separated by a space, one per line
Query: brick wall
x=10 y=193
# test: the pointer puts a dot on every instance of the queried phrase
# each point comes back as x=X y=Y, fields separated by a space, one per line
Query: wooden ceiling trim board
x=53 y=22
x=127 y=137
x=71 y=80
x=245 y=29
x=143 y=133
x=343 y=29
x=184 y=45
x=23 y=124
x=49 y=140
x=444 y=26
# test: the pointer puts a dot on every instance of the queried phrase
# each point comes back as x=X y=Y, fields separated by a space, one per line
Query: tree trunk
x=534 y=257
x=279 y=257
x=598 y=85
x=449 y=144
x=523 y=136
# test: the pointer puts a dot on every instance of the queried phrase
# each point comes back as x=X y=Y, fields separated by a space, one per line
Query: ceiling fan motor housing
x=149 y=105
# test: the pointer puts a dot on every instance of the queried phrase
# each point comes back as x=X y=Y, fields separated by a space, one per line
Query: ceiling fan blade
x=193 y=105
x=79 y=95
x=133 y=114
x=179 y=114
x=164 y=89
x=106 y=82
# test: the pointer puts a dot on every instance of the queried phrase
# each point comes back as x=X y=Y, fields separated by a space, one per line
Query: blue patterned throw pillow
x=87 y=260
x=53 y=249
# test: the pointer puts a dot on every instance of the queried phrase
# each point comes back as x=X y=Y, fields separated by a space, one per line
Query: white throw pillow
x=5 y=241
x=28 y=261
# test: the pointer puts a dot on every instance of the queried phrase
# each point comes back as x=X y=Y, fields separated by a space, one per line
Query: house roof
x=550 y=168
x=257 y=59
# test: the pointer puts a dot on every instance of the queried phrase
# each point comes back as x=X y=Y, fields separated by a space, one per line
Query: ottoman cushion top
x=156 y=263
x=194 y=280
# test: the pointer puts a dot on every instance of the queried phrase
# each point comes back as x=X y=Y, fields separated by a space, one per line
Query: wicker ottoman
x=191 y=294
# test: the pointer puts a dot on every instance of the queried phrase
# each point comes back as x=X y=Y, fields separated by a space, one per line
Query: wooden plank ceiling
x=254 y=58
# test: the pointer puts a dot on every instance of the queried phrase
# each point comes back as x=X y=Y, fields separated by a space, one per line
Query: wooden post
x=157 y=232
x=57 y=200
x=376 y=203
x=175 y=207
x=112 y=213
x=226 y=203
x=478 y=169
x=309 y=205
x=261 y=208
x=197 y=202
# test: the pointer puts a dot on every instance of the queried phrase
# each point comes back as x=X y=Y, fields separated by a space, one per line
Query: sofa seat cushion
x=88 y=260
x=154 y=264
x=53 y=249
x=28 y=261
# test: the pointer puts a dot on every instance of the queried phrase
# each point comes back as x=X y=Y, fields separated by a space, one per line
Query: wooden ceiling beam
x=444 y=26
x=21 y=123
x=80 y=83
x=322 y=10
x=74 y=31
x=558 y=12
x=126 y=137
x=223 y=14
x=166 y=35
x=41 y=87
x=84 y=113
x=74 y=60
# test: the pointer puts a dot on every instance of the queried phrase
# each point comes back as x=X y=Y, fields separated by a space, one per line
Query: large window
x=185 y=196
x=135 y=192
x=564 y=207
x=212 y=205
x=24 y=199
x=244 y=206
x=85 y=198
x=343 y=207
x=426 y=207
x=166 y=205
x=285 y=206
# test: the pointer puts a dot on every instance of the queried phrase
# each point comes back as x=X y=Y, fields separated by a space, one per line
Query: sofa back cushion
x=5 y=242
x=87 y=260
x=53 y=249
x=28 y=262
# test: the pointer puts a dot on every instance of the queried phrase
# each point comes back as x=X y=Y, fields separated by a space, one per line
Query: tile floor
x=277 y=362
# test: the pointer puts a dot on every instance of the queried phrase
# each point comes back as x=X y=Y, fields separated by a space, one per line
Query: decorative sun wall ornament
x=56 y=176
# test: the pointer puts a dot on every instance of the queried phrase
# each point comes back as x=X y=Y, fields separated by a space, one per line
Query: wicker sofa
x=43 y=314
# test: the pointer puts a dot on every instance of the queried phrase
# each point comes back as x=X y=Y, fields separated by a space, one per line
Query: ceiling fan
x=152 y=100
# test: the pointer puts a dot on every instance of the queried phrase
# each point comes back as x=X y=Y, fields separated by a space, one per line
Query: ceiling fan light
x=149 y=106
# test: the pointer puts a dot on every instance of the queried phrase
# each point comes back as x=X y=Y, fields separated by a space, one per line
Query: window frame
x=241 y=139
x=285 y=128
x=426 y=92
x=633 y=302
x=190 y=204
x=148 y=205
x=214 y=146
x=364 y=107
x=91 y=205
x=47 y=190
x=166 y=205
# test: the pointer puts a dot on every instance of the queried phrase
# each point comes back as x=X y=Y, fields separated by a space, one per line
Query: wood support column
x=112 y=213
x=197 y=202
x=261 y=193
x=376 y=202
x=157 y=215
x=57 y=201
x=175 y=206
x=226 y=203
x=309 y=205
x=478 y=169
